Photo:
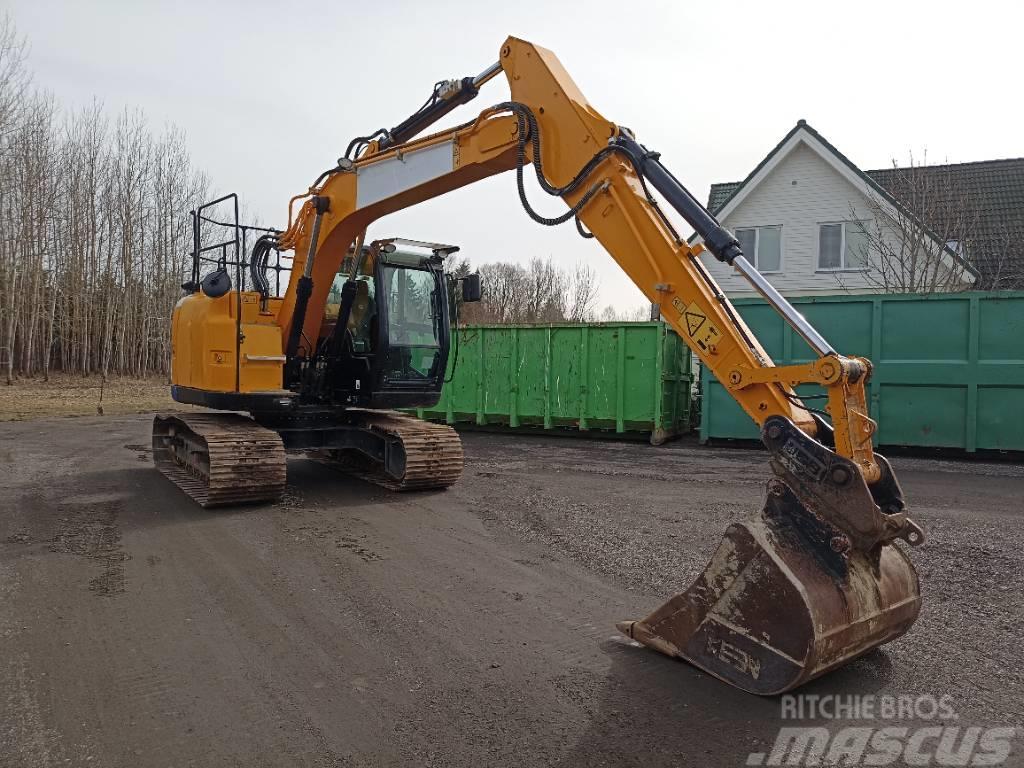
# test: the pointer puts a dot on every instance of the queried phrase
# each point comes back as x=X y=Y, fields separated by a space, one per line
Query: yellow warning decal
x=704 y=334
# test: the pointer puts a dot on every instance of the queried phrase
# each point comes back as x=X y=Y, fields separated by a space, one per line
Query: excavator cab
x=386 y=335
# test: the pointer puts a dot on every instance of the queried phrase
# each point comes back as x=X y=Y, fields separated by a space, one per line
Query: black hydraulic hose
x=529 y=130
x=258 y=264
x=304 y=288
x=355 y=145
x=195 y=251
x=435 y=108
x=640 y=159
x=722 y=244
x=583 y=232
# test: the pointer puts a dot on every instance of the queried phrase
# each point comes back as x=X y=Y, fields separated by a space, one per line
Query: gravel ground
x=971 y=568
x=350 y=626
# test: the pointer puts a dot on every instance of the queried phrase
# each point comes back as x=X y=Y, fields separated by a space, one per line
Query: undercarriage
x=220 y=459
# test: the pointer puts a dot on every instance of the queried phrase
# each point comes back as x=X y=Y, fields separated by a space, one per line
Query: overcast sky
x=269 y=94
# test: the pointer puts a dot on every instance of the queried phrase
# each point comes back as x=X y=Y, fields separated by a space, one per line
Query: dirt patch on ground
x=89 y=529
x=351 y=626
x=71 y=395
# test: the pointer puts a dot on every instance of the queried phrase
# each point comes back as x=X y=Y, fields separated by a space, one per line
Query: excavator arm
x=813 y=579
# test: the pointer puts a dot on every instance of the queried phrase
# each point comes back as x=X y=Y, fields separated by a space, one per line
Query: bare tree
x=1003 y=245
x=933 y=238
x=505 y=286
x=583 y=285
x=462 y=312
x=14 y=77
x=640 y=313
x=93 y=232
x=538 y=292
x=546 y=290
x=14 y=81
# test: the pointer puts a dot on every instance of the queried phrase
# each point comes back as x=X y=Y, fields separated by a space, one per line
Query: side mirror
x=471 y=288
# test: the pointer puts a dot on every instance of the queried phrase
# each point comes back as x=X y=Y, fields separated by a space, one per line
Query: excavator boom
x=604 y=175
x=800 y=587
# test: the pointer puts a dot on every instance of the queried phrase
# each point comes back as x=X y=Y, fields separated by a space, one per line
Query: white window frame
x=842 y=246
x=754 y=257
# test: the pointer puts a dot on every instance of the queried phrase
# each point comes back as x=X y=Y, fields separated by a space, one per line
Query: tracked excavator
x=810 y=581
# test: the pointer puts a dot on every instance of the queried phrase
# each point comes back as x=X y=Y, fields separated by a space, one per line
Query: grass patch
x=73 y=395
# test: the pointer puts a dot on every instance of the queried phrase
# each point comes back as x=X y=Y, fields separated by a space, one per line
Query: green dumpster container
x=948 y=368
x=616 y=377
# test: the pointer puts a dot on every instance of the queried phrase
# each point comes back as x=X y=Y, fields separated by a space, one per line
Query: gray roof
x=993 y=189
x=991 y=196
x=720 y=193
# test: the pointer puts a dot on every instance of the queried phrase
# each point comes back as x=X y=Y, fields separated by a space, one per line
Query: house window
x=762 y=246
x=843 y=245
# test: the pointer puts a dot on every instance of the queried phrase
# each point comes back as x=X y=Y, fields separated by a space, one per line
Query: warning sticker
x=700 y=329
x=694 y=320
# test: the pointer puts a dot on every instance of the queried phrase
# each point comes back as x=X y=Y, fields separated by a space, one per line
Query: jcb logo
x=801 y=463
x=734 y=657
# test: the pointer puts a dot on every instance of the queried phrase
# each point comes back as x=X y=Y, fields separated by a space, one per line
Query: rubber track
x=433 y=452
x=231 y=459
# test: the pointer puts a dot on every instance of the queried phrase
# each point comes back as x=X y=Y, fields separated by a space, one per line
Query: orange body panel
x=205 y=346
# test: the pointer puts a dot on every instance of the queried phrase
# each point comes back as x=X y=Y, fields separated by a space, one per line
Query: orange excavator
x=809 y=582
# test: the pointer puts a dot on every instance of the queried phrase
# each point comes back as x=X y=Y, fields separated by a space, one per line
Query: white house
x=808 y=218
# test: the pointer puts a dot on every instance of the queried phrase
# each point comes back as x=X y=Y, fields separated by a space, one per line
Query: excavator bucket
x=787 y=596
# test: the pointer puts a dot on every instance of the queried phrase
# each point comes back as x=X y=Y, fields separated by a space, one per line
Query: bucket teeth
x=785 y=598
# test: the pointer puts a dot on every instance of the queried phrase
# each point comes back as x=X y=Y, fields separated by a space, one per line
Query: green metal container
x=618 y=377
x=948 y=368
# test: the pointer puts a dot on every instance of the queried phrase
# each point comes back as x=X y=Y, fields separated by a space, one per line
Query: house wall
x=800 y=193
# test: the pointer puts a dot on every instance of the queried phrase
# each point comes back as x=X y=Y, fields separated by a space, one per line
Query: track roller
x=220 y=459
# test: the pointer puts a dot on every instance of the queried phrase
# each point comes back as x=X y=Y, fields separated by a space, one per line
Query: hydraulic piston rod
x=487 y=74
x=787 y=310
x=722 y=244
